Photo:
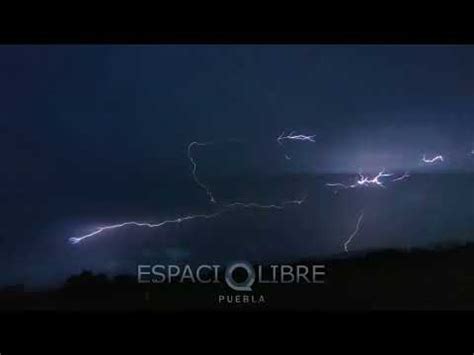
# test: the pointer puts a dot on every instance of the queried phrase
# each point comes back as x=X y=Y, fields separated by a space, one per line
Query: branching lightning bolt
x=75 y=240
x=432 y=160
x=356 y=231
x=363 y=181
x=194 y=168
x=293 y=136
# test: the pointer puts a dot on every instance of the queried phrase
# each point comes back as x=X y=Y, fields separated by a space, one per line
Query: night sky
x=92 y=135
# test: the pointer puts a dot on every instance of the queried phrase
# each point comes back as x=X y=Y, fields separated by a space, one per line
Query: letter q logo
x=245 y=285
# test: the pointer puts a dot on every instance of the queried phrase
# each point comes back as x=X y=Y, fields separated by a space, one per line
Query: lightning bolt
x=432 y=160
x=75 y=240
x=293 y=136
x=272 y=206
x=194 y=168
x=402 y=177
x=338 y=184
x=363 y=181
x=356 y=231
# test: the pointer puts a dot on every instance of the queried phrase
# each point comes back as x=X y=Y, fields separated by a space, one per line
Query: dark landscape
x=438 y=279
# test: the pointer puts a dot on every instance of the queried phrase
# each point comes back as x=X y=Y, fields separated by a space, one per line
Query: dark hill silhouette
x=441 y=278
